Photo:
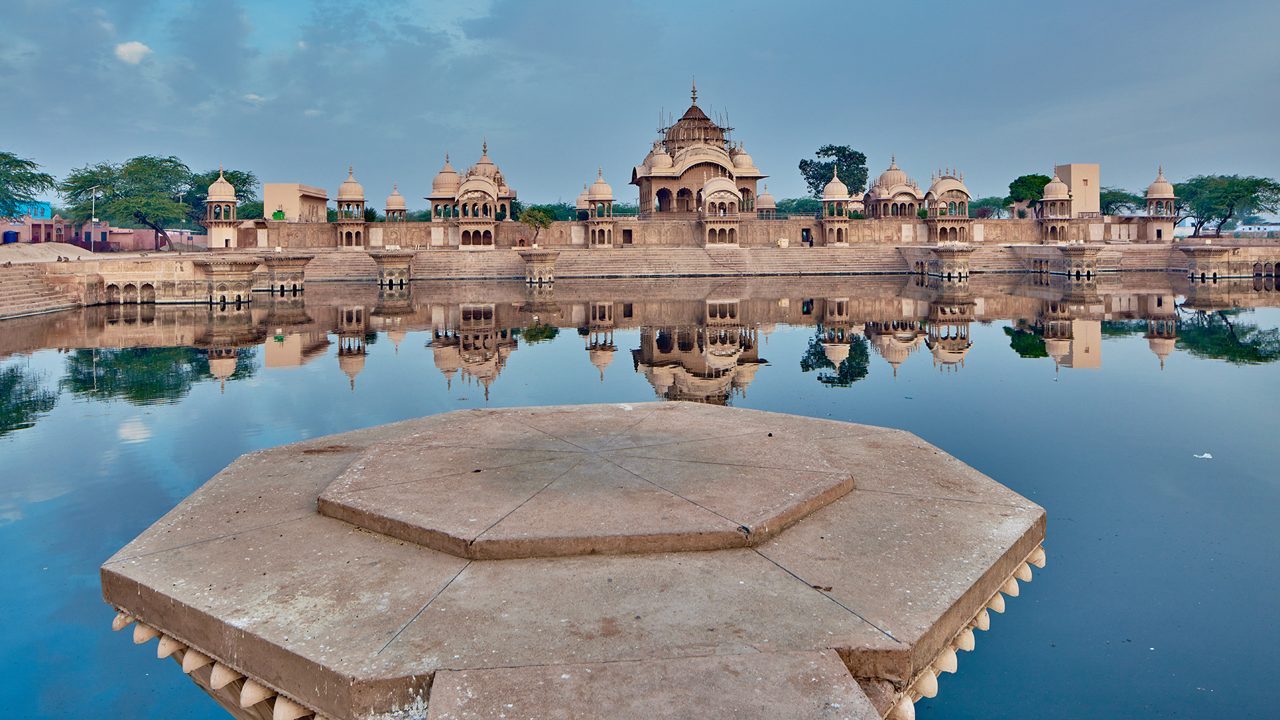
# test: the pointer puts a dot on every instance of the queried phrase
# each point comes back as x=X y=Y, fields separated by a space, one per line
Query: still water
x=1094 y=400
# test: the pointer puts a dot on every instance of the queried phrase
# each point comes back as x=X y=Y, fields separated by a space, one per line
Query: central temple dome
x=694 y=127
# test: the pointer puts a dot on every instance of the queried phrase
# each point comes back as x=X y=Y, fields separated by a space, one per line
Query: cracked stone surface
x=657 y=559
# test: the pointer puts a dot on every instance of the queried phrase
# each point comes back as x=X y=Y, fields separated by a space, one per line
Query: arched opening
x=130 y=294
x=664 y=200
x=487 y=238
x=113 y=293
x=148 y=293
x=684 y=200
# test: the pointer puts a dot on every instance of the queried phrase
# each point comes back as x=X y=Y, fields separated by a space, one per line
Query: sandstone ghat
x=201 y=278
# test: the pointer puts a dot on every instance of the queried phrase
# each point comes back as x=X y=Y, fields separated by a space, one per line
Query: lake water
x=1162 y=590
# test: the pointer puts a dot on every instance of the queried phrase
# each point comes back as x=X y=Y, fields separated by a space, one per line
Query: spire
x=834 y=175
x=351 y=173
x=893 y=161
x=694 y=92
x=484 y=147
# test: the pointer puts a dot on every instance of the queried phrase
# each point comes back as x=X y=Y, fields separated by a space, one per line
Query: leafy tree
x=371 y=214
x=851 y=370
x=922 y=213
x=988 y=208
x=1114 y=201
x=143 y=376
x=850 y=164
x=1028 y=188
x=539 y=332
x=799 y=206
x=244 y=181
x=537 y=219
x=1123 y=328
x=1218 y=335
x=556 y=211
x=20 y=182
x=1026 y=343
x=146 y=190
x=250 y=210
x=22 y=400
x=1216 y=200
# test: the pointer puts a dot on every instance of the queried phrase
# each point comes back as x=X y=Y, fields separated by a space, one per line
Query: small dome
x=582 y=203
x=1162 y=347
x=1056 y=189
x=600 y=189
x=1160 y=189
x=350 y=189
x=948 y=182
x=221 y=190
x=719 y=184
x=395 y=201
x=835 y=189
x=484 y=166
x=222 y=366
x=836 y=353
x=659 y=159
x=446 y=181
x=742 y=160
x=766 y=201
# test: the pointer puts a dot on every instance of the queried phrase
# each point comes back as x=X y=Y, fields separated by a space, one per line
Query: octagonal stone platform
x=629 y=561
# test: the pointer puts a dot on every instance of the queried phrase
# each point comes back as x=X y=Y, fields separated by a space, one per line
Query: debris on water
x=1205 y=456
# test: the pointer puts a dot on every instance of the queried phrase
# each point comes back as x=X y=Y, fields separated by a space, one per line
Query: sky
x=296 y=91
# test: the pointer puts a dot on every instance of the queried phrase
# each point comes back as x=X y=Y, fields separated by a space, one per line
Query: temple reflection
x=691 y=340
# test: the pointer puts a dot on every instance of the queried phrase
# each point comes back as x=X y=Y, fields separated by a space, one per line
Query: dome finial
x=834 y=174
x=484 y=147
x=694 y=92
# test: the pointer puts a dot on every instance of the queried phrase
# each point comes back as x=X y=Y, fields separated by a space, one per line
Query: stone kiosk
x=659 y=560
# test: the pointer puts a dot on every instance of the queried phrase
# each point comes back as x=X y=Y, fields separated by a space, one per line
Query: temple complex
x=697 y=187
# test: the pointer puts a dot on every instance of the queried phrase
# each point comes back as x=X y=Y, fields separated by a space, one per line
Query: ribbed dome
x=694 y=127
x=395 y=201
x=484 y=166
x=1160 y=189
x=947 y=183
x=1056 y=189
x=766 y=201
x=350 y=189
x=446 y=181
x=221 y=190
x=835 y=189
x=660 y=159
x=600 y=189
x=582 y=203
x=742 y=160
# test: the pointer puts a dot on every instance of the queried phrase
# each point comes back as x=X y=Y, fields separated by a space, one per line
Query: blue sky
x=296 y=91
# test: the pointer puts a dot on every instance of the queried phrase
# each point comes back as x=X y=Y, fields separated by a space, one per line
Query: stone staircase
x=341 y=265
x=24 y=291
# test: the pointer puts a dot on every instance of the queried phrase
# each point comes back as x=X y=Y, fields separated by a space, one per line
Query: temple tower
x=351 y=225
x=220 y=214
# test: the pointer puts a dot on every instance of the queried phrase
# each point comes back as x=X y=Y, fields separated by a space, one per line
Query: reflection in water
x=121 y=416
x=697 y=341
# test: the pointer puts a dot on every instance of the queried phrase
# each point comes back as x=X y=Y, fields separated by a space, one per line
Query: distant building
x=38 y=210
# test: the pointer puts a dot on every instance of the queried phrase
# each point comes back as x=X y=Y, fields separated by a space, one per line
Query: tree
x=1114 y=201
x=371 y=214
x=146 y=190
x=537 y=219
x=1216 y=335
x=244 y=181
x=20 y=182
x=1028 y=189
x=143 y=376
x=988 y=208
x=799 y=206
x=850 y=164
x=1215 y=200
x=852 y=369
x=1027 y=343
x=539 y=332
x=22 y=399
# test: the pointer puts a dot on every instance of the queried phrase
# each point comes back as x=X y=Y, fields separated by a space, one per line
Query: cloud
x=254 y=98
x=132 y=52
x=133 y=430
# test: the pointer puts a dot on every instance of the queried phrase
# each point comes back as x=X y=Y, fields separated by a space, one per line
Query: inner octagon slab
x=607 y=481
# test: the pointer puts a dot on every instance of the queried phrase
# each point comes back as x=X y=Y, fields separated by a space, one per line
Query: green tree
x=143 y=376
x=851 y=370
x=539 y=332
x=850 y=164
x=20 y=182
x=146 y=190
x=1114 y=201
x=244 y=181
x=537 y=219
x=250 y=210
x=799 y=206
x=371 y=214
x=1221 y=336
x=1215 y=200
x=1027 y=343
x=989 y=207
x=22 y=399
x=1028 y=188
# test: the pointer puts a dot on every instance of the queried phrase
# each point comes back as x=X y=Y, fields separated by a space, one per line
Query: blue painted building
x=38 y=210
